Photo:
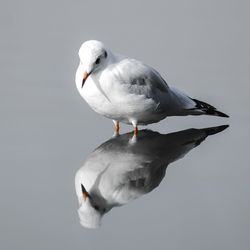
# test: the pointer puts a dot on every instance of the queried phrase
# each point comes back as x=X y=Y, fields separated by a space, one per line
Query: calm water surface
x=174 y=188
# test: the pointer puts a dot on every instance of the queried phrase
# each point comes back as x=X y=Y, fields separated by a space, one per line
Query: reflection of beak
x=85 y=76
x=84 y=193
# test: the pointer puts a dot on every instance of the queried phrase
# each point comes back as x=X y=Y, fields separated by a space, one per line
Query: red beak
x=85 y=76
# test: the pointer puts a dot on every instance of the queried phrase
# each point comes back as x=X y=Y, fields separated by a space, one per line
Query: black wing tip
x=215 y=130
x=221 y=114
x=215 y=113
x=203 y=105
x=208 y=109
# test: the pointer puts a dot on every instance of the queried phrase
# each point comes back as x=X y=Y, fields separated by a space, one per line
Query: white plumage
x=129 y=91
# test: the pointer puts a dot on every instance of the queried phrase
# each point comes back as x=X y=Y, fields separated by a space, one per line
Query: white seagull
x=118 y=172
x=129 y=91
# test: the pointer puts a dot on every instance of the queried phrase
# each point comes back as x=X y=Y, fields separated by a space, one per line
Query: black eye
x=105 y=54
x=96 y=207
x=97 y=61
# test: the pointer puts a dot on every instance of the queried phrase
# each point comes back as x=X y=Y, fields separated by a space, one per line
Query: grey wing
x=140 y=78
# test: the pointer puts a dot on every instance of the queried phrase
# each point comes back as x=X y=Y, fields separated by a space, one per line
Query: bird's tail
x=207 y=109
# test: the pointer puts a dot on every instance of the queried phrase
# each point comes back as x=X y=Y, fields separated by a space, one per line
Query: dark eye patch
x=96 y=207
x=97 y=60
x=105 y=54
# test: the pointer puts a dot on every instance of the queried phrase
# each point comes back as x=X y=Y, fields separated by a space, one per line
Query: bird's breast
x=113 y=99
x=95 y=94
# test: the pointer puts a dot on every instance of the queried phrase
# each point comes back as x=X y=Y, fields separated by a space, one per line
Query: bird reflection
x=120 y=171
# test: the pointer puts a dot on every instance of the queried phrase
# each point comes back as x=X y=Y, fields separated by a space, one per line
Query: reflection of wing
x=134 y=169
x=153 y=146
x=118 y=172
x=154 y=152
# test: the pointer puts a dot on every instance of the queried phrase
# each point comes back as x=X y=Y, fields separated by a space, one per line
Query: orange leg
x=117 y=127
x=136 y=131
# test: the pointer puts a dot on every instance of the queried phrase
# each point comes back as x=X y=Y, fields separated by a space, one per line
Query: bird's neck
x=112 y=58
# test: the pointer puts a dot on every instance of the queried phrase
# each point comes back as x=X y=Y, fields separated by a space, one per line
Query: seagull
x=128 y=91
x=118 y=172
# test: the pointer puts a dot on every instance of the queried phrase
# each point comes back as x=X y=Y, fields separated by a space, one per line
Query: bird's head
x=91 y=210
x=93 y=57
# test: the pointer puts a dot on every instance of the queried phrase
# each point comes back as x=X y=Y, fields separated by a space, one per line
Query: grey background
x=47 y=130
